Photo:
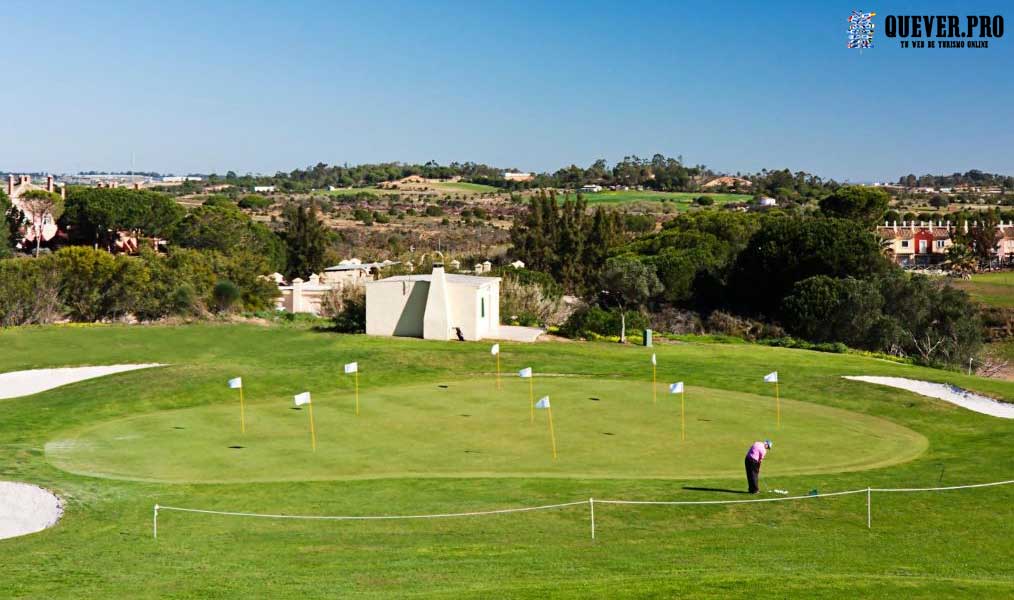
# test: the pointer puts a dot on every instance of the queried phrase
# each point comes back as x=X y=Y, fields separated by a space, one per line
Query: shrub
x=599 y=321
x=704 y=201
x=254 y=201
x=225 y=293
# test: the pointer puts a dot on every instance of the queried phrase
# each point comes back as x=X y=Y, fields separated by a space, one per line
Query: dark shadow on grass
x=707 y=489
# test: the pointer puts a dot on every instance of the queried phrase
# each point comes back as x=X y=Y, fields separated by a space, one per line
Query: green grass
x=996 y=289
x=683 y=200
x=443 y=430
x=921 y=545
x=463 y=186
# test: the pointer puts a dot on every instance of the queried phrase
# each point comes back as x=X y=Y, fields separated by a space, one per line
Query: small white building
x=438 y=306
x=767 y=201
x=264 y=189
x=594 y=189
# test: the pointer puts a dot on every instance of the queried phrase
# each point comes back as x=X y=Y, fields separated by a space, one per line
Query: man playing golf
x=754 y=456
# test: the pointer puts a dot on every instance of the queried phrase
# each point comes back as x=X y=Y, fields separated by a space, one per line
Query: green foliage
x=254 y=202
x=219 y=200
x=351 y=318
x=94 y=215
x=630 y=283
x=704 y=201
x=895 y=313
x=787 y=250
x=307 y=239
x=6 y=228
x=228 y=230
x=29 y=292
x=564 y=242
x=866 y=205
x=226 y=294
x=434 y=211
x=593 y=320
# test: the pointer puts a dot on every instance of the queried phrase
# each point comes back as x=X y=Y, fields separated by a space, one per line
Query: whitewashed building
x=438 y=306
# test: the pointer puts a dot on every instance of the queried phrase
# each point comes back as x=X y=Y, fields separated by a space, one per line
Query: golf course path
x=945 y=392
x=25 y=383
x=26 y=508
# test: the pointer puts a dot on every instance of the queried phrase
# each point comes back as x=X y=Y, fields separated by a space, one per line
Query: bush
x=226 y=294
x=347 y=310
x=704 y=201
x=254 y=201
x=594 y=320
x=723 y=323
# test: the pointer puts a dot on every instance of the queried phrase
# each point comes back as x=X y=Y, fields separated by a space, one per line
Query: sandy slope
x=26 y=383
x=945 y=392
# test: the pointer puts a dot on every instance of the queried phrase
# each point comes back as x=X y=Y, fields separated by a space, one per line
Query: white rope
x=942 y=489
x=751 y=501
x=374 y=517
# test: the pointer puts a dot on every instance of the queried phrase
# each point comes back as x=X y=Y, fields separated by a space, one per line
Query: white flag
x=352 y=367
x=771 y=377
x=676 y=388
x=525 y=373
x=302 y=399
x=543 y=402
x=495 y=349
x=653 y=361
x=236 y=383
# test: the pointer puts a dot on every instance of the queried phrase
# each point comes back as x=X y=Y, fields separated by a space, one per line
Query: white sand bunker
x=26 y=383
x=26 y=508
x=945 y=392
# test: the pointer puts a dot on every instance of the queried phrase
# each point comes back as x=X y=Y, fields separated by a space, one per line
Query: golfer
x=754 y=456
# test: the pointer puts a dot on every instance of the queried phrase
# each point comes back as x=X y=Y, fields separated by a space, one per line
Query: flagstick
x=531 y=398
x=683 y=416
x=313 y=430
x=242 y=411
x=498 y=387
x=654 y=388
x=778 y=407
x=357 y=391
x=552 y=434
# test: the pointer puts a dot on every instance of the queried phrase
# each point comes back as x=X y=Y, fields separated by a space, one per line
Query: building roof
x=452 y=278
x=356 y=265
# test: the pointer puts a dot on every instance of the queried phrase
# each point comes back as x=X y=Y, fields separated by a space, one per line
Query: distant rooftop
x=472 y=280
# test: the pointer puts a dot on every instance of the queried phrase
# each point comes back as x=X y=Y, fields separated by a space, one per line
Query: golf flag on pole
x=301 y=399
x=353 y=367
x=654 y=384
x=544 y=403
x=236 y=383
x=677 y=388
x=772 y=377
x=526 y=373
x=495 y=351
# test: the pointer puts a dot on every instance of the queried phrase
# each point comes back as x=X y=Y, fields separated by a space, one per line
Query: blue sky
x=262 y=86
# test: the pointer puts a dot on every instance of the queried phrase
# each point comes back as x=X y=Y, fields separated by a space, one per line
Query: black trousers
x=752 y=474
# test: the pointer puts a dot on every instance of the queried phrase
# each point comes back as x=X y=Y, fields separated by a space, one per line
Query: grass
x=463 y=186
x=921 y=545
x=995 y=289
x=683 y=200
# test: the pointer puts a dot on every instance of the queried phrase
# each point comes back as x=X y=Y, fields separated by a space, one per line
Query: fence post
x=869 y=514
x=154 y=523
x=591 y=505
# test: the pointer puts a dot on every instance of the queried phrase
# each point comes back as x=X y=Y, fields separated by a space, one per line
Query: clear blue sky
x=267 y=86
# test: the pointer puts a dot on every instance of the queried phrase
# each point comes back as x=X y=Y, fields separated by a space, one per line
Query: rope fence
x=590 y=503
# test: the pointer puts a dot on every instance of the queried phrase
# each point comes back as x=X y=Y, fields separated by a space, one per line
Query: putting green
x=604 y=429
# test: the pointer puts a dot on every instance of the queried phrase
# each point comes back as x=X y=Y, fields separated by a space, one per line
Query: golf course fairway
x=465 y=428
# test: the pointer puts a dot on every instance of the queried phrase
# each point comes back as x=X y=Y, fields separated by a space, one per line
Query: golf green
x=604 y=428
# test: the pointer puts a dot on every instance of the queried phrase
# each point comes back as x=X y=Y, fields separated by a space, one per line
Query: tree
x=41 y=206
x=629 y=283
x=307 y=239
x=864 y=204
x=95 y=215
x=787 y=250
x=5 y=231
x=229 y=230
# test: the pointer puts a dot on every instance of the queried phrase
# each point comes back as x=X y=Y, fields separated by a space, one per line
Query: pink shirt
x=757 y=451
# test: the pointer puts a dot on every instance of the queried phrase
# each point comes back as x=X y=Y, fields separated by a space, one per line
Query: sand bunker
x=26 y=383
x=26 y=508
x=945 y=392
